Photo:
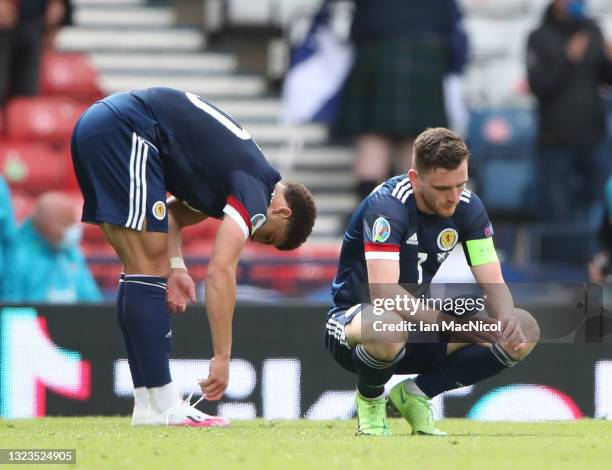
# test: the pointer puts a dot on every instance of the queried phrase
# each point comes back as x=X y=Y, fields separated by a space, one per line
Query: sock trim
x=502 y=356
x=146 y=278
x=364 y=356
x=160 y=285
x=382 y=395
x=143 y=275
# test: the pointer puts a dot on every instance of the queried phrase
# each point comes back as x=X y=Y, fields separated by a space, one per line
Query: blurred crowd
x=405 y=50
x=40 y=259
x=27 y=28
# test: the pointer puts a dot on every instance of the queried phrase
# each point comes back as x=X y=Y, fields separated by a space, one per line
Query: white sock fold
x=141 y=401
x=163 y=398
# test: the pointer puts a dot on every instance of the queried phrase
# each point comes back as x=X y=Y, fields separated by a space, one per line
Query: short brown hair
x=439 y=147
x=303 y=214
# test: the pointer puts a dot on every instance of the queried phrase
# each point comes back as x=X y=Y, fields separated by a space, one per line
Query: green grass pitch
x=110 y=443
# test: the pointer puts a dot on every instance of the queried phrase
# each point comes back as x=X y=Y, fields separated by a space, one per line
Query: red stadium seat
x=93 y=234
x=23 y=204
x=70 y=74
x=203 y=231
x=33 y=167
x=49 y=119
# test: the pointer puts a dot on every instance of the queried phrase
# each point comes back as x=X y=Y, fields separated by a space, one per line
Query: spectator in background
x=59 y=14
x=7 y=238
x=49 y=265
x=599 y=267
x=22 y=24
x=404 y=49
x=567 y=62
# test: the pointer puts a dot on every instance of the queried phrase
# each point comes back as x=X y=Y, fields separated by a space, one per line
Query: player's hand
x=577 y=46
x=218 y=377
x=8 y=14
x=181 y=290
x=513 y=335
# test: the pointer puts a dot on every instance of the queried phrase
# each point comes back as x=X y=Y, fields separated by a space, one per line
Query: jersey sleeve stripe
x=386 y=255
x=399 y=186
x=405 y=189
x=234 y=214
x=236 y=204
x=382 y=247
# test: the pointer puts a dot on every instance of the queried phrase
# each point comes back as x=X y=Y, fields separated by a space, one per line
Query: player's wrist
x=222 y=357
x=176 y=262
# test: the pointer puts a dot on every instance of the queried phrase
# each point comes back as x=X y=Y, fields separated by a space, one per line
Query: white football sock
x=141 y=401
x=163 y=398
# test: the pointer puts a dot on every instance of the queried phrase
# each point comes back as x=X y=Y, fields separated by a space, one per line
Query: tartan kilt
x=395 y=88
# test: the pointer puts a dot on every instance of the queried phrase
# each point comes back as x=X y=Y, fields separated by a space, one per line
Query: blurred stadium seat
x=495 y=8
x=201 y=232
x=93 y=234
x=502 y=143
x=600 y=7
x=70 y=74
x=500 y=82
x=34 y=167
x=488 y=38
x=49 y=119
x=103 y=263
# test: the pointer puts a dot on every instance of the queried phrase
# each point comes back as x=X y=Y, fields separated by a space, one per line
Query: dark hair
x=303 y=214
x=439 y=147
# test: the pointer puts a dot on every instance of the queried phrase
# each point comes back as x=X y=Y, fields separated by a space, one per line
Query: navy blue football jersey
x=388 y=225
x=210 y=162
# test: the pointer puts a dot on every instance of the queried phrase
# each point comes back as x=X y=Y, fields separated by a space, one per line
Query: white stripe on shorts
x=138 y=182
x=132 y=158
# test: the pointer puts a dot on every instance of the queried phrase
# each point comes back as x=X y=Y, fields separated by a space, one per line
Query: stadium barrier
x=69 y=360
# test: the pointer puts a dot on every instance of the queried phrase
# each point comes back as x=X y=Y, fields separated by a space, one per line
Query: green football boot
x=415 y=409
x=372 y=416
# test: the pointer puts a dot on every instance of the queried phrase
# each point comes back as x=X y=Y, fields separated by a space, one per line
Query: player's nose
x=453 y=195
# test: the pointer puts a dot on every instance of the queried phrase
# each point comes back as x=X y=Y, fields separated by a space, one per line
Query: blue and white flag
x=318 y=69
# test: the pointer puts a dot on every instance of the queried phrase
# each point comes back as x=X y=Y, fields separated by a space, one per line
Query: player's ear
x=413 y=176
x=283 y=212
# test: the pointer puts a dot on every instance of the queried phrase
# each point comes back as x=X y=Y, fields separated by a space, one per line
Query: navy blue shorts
x=419 y=357
x=119 y=171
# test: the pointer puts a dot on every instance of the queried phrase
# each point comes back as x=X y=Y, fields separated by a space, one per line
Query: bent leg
x=140 y=252
x=375 y=362
x=146 y=318
x=467 y=364
x=531 y=330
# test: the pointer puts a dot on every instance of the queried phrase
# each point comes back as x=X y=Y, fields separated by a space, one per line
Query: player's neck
x=421 y=205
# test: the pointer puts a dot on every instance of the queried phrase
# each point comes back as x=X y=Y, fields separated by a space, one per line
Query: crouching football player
x=401 y=233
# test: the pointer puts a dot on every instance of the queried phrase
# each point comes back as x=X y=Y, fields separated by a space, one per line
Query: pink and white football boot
x=185 y=414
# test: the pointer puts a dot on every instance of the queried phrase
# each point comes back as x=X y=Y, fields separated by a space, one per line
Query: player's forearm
x=220 y=301
x=175 y=239
x=499 y=303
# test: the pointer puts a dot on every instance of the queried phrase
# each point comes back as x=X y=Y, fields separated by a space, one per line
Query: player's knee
x=531 y=330
x=384 y=351
x=530 y=326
